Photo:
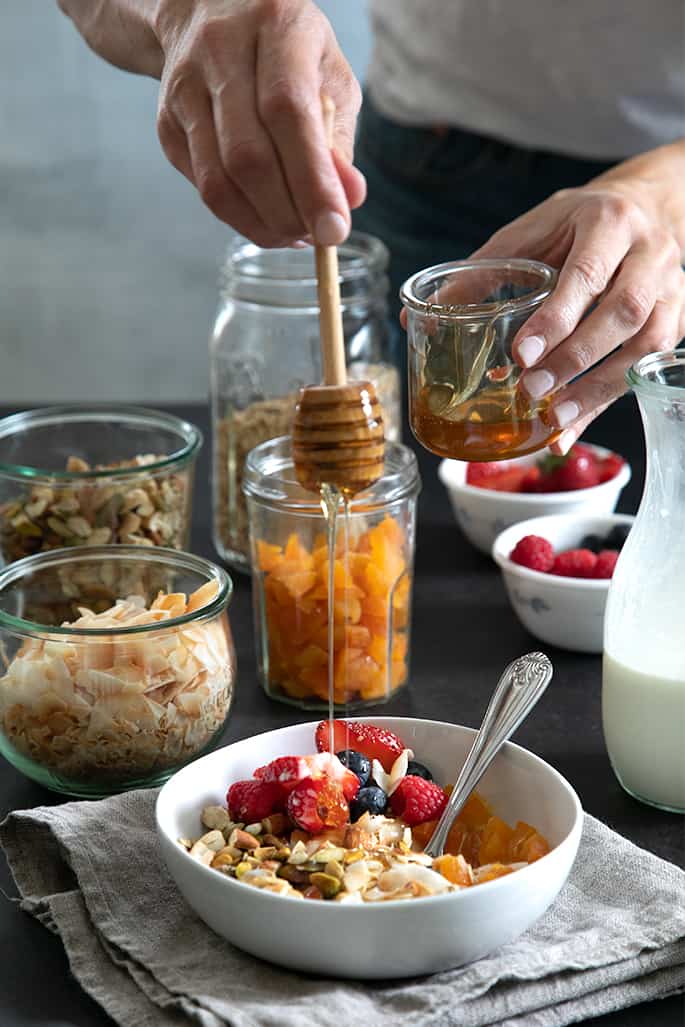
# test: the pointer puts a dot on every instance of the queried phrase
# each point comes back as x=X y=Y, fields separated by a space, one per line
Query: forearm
x=123 y=32
x=658 y=179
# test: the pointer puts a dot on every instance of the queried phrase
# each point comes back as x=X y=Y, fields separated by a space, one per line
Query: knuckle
x=245 y=158
x=212 y=188
x=579 y=355
x=284 y=99
x=590 y=270
x=615 y=207
x=178 y=84
x=634 y=304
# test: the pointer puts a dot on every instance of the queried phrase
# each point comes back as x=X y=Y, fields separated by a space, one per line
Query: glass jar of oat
x=372 y=582
x=265 y=346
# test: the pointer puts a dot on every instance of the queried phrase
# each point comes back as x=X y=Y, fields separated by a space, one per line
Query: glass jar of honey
x=372 y=575
x=465 y=401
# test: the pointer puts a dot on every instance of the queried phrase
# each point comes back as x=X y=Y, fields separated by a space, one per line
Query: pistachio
x=328 y=885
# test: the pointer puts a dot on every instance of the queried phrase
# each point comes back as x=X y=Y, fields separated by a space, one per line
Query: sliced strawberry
x=288 y=770
x=375 y=742
x=250 y=801
x=317 y=803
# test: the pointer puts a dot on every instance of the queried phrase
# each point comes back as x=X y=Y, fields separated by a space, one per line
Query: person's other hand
x=614 y=255
x=240 y=116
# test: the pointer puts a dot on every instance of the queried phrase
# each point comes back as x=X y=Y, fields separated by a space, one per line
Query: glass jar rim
x=366 y=253
x=266 y=479
x=477 y=311
x=13 y=572
x=45 y=416
x=640 y=375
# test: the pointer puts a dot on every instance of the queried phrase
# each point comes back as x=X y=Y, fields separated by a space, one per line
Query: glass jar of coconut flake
x=117 y=665
x=265 y=346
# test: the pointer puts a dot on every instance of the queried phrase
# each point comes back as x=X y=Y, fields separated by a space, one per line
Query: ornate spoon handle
x=519 y=688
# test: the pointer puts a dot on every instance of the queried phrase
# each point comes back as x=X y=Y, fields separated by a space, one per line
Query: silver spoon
x=519 y=688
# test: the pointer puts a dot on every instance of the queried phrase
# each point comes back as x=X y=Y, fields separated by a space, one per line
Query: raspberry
x=250 y=801
x=317 y=803
x=575 y=563
x=533 y=552
x=288 y=770
x=416 y=800
x=606 y=561
x=610 y=466
x=375 y=742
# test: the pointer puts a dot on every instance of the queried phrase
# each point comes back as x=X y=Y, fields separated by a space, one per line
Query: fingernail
x=330 y=229
x=566 y=412
x=538 y=383
x=565 y=441
x=531 y=349
x=299 y=244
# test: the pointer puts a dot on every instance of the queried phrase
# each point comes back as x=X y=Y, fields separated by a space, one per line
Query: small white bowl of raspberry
x=486 y=498
x=557 y=571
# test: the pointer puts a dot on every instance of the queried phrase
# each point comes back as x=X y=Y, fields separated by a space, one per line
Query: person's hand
x=240 y=116
x=615 y=255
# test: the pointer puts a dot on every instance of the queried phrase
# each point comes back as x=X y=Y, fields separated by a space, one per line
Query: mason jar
x=373 y=574
x=265 y=346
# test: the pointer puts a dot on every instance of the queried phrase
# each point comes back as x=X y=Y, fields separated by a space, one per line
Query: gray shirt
x=592 y=78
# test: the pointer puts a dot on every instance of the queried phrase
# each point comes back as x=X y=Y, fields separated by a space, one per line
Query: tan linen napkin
x=92 y=872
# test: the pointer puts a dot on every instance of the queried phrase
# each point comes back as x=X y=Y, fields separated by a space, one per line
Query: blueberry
x=369 y=800
x=617 y=536
x=592 y=542
x=357 y=763
x=418 y=770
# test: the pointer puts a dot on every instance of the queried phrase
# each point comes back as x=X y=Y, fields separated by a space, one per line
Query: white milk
x=644 y=729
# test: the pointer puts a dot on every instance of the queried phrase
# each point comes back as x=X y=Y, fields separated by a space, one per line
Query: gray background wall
x=108 y=260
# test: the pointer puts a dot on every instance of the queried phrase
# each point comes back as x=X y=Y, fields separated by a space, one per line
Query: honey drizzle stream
x=331 y=497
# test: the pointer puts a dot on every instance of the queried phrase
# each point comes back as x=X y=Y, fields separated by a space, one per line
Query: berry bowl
x=482 y=513
x=392 y=938
x=559 y=609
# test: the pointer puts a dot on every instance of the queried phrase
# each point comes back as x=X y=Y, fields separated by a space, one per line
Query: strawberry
x=579 y=469
x=250 y=801
x=288 y=770
x=375 y=742
x=416 y=800
x=479 y=473
x=575 y=563
x=610 y=466
x=534 y=552
x=606 y=562
x=531 y=482
x=316 y=803
x=500 y=476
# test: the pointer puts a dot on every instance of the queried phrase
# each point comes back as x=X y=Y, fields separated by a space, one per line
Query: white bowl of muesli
x=304 y=846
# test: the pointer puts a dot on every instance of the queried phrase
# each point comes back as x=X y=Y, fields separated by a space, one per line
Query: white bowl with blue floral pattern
x=483 y=513
x=566 y=612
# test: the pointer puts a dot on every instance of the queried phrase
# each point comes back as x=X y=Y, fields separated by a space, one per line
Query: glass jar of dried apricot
x=373 y=572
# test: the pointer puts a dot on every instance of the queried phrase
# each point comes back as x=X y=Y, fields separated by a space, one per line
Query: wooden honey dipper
x=337 y=432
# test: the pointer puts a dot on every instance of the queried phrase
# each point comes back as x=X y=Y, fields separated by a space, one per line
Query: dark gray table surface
x=464 y=634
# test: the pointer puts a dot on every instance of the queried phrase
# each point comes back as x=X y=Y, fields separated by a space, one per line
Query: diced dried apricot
x=495 y=841
x=494 y=871
x=476 y=811
x=454 y=868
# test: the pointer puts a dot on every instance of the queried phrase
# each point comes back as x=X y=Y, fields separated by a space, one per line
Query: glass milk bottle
x=643 y=691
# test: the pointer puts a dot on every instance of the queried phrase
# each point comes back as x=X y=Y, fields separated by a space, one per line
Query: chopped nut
x=215 y=817
x=276 y=824
x=202 y=853
x=213 y=840
x=243 y=840
x=254 y=828
x=298 y=854
x=328 y=885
